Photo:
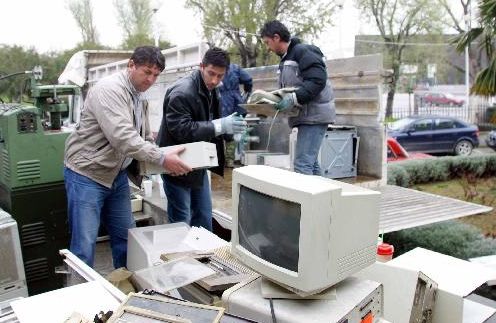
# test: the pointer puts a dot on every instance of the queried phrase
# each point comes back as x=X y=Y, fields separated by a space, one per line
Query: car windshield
x=400 y=124
x=449 y=96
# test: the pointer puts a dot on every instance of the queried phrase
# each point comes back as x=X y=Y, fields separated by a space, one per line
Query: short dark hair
x=148 y=55
x=273 y=27
x=217 y=57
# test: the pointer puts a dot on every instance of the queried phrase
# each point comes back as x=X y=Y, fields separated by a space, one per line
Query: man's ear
x=131 y=64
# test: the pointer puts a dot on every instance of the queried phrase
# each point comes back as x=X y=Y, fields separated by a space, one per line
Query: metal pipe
x=468 y=18
x=14 y=74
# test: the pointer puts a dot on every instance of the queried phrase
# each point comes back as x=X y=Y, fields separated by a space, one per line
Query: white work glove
x=231 y=124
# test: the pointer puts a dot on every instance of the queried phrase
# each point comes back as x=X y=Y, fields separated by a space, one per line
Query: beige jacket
x=105 y=134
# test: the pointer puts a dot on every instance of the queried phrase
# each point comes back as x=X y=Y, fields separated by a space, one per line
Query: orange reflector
x=369 y=318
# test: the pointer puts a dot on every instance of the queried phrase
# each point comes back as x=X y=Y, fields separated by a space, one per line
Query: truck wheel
x=463 y=148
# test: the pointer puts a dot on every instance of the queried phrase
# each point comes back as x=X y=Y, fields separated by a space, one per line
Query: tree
x=82 y=11
x=135 y=18
x=398 y=22
x=485 y=80
x=15 y=59
x=453 y=21
x=18 y=59
x=237 y=23
x=477 y=56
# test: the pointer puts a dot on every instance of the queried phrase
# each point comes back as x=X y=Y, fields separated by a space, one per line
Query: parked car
x=396 y=152
x=440 y=99
x=435 y=134
x=491 y=139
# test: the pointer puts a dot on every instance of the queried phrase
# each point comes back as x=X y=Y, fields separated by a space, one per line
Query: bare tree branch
x=82 y=12
x=244 y=18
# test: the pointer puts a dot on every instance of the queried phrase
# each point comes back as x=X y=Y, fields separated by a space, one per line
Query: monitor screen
x=269 y=228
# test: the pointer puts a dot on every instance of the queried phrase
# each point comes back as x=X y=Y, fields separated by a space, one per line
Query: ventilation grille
x=33 y=234
x=6 y=165
x=28 y=169
x=353 y=262
x=36 y=269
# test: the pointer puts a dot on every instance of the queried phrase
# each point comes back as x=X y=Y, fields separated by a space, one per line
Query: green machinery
x=32 y=138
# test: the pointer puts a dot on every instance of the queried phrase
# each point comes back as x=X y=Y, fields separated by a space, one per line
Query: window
x=423 y=125
x=444 y=124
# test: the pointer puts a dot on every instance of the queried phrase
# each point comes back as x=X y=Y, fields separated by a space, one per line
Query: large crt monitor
x=304 y=232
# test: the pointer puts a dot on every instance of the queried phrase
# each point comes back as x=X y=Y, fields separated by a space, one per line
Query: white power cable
x=270 y=129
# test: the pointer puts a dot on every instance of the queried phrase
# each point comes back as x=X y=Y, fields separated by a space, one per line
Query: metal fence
x=482 y=114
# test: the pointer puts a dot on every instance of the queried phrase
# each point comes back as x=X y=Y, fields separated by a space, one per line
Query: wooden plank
x=355 y=86
x=357 y=106
x=358 y=63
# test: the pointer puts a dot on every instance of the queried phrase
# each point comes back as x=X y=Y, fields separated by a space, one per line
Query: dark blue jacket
x=229 y=90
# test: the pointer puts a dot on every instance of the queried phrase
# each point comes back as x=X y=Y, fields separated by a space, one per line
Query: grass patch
x=470 y=189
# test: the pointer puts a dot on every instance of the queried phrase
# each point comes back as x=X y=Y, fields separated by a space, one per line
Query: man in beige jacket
x=113 y=131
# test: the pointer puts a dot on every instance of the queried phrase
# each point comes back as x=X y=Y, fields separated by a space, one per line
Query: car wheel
x=463 y=148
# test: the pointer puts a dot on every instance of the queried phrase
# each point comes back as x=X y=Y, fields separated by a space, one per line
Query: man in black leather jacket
x=192 y=113
x=303 y=67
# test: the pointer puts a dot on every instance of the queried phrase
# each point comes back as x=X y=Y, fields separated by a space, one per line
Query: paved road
x=483 y=151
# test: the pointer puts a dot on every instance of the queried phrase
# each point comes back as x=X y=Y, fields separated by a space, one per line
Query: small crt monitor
x=303 y=232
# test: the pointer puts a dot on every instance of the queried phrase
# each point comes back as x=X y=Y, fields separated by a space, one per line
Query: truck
x=358 y=86
x=358 y=83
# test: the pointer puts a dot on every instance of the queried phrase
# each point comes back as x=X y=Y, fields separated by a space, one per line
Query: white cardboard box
x=197 y=155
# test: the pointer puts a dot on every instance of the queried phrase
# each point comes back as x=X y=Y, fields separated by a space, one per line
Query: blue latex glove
x=288 y=101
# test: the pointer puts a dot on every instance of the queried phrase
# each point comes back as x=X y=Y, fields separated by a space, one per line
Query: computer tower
x=12 y=278
x=41 y=215
x=409 y=295
x=339 y=152
x=338 y=155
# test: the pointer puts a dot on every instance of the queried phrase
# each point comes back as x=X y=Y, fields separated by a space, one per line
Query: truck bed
x=401 y=208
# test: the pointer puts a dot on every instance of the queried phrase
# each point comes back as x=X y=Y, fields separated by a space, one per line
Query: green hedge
x=451 y=238
x=411 y=172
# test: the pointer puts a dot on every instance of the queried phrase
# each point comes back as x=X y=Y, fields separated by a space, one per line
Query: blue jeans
x=88 y=204
x=190 y=205
x=307 y=149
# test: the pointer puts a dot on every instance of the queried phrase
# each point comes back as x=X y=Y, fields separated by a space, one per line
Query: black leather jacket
x=187 y=113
